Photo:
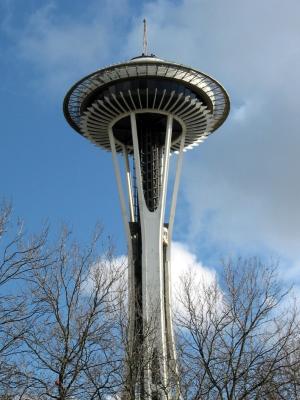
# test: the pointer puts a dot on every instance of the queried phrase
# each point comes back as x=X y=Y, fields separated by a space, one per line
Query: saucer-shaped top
x=146 y=84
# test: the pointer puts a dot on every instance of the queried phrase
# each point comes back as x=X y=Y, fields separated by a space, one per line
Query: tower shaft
x=153 y=363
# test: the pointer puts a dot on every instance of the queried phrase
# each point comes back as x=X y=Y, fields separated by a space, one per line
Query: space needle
x=142 y=111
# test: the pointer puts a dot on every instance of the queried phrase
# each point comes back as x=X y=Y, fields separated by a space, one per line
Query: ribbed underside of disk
x=192 y=115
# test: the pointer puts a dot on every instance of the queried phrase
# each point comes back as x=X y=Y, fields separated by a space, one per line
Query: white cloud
x=103 y=272
x=184 y=266
x=183 y=262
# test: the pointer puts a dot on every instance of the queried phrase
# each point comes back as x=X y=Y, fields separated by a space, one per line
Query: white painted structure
x=144 y=110
x=155 y=237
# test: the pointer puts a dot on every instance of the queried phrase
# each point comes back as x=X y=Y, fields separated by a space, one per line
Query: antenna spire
x=145 y=40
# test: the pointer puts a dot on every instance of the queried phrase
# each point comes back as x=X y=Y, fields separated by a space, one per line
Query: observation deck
x=146 y=85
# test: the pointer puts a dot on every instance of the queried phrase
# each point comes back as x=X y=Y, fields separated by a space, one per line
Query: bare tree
x=285 y=382
x=18 y=256
x=236 y=341
x=70 y=345
x=65 y=331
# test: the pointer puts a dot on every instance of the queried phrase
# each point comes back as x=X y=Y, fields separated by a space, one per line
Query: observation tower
x=142 y=111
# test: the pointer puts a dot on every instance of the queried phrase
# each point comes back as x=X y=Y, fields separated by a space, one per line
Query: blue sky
x=240 y=189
